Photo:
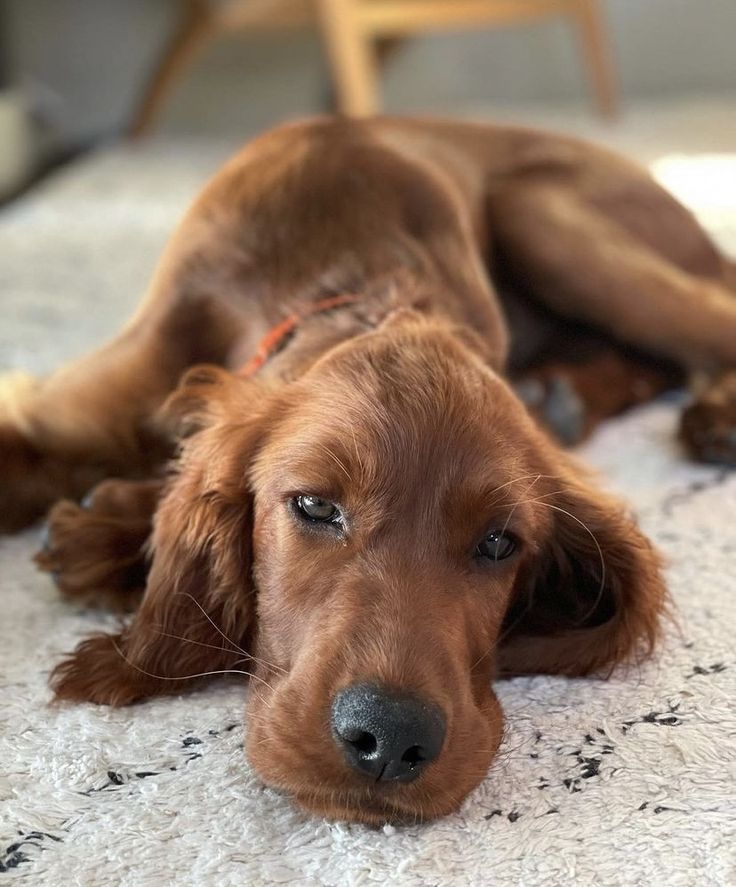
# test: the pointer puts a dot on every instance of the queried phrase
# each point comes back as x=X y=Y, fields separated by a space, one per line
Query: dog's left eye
x=496 y=546
x=312 y=508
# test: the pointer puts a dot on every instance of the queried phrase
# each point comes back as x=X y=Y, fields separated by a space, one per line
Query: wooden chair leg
x=597 y=54
x=351 y=57
x=195 y=30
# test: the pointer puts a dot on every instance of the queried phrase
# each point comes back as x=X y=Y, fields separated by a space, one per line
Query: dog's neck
x=313 y=326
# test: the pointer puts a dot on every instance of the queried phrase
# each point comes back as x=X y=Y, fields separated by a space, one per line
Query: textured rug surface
x=630 y=781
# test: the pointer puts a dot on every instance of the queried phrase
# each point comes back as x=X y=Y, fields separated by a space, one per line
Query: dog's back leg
x=571 y=397
x=584 y=266
x=729 y=273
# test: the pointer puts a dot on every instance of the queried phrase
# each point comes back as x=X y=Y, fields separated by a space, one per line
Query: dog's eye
x=313 y=508
x=496 y=546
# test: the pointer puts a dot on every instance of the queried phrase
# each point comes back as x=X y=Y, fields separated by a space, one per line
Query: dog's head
x=386 y=534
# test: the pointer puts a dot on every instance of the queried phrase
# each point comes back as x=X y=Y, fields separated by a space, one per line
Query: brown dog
x=363 y=513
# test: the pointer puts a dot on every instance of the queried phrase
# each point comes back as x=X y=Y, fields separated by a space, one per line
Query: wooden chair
x=356 y=34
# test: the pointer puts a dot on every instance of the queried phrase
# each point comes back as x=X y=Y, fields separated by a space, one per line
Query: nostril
x=362 y=741
x=414 y=756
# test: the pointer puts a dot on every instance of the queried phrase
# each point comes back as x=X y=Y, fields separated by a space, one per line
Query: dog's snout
x=386 y=735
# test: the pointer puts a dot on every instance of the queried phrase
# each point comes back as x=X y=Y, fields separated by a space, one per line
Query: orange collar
x=277 y=336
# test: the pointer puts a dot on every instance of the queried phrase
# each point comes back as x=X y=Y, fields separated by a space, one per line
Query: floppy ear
x=592 y=599
x=196 y=614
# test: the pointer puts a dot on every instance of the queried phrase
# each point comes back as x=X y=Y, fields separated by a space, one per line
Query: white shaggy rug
x=626 y=782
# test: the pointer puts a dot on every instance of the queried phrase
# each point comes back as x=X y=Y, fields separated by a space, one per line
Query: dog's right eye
x=317 y=510
x=497 y=546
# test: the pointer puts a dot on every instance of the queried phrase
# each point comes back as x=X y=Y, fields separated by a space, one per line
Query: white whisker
x=587 y=529
x=229 y=640
x=188 y=677
x=177 y=637
x=337 y=461
x=517 y=480
x=601 y=588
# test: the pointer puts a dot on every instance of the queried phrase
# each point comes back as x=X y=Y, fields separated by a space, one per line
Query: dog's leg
x=583 y=265
x=729 y=273
x=95 y=551
x=586 y=267
x=570 y=398
x=708 y=425
x=61 y=435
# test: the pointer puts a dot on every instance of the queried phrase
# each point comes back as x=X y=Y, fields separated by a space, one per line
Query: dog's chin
x=345 y=797
x=373 y=804
x=371 y=810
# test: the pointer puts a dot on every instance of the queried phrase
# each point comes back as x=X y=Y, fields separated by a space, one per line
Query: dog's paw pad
x=557 y=404
x=92 y=556
x=708 y=425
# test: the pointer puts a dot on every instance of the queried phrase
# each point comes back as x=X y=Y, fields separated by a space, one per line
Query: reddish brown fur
x=397 y=408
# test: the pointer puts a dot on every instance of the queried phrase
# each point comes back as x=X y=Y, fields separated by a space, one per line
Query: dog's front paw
x=708 y=425
x=98 y=671
x=94 y=555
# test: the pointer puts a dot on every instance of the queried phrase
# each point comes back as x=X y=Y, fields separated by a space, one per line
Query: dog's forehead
x=420 y=373
x=395 y=426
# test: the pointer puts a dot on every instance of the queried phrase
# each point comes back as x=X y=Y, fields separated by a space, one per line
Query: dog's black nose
x=386 y=735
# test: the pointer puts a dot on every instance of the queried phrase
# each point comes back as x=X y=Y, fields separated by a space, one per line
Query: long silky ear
x=593 y=598
x=197 y=612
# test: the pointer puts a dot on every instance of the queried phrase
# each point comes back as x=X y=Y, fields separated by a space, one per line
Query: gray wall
x=88 y=59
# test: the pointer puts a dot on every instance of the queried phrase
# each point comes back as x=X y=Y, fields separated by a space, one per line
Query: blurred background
x=75 y=73
x=113 y=112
